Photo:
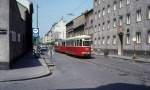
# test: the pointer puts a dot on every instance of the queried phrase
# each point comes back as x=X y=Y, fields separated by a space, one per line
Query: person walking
x=51 y=51
x=51 y=55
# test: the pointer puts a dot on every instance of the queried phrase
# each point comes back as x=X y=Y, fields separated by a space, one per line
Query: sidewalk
x=138 y=59
x=28 y=67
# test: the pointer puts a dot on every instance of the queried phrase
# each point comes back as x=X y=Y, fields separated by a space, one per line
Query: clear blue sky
x=50 y=11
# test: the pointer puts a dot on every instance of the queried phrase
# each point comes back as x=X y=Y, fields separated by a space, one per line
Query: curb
x=128 y=58
x=31 y=73
x=137 y=60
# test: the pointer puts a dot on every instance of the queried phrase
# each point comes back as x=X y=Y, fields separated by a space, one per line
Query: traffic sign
x=35 y=32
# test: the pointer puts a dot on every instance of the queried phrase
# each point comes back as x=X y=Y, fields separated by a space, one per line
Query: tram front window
x=86 y=43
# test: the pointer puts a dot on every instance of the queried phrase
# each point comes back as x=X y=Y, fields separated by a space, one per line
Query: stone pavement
x=28 y=67
x=138 y=59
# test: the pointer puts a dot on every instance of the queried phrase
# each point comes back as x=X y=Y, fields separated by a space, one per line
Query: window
x=99 y=14
x=148 y=12
x=139 y=16
x=95 y=41
x=120 y=4
x=149 y=37
x=14 y=36
x=115 y=23
x=99 y=28
x=108 y=40
x=103 y=40
x=115 y=5
x=99 y=40
x=108 y=9
x=128 y=19
x=95 y=2
x=103 y=11
x=91 y=21
x=108 y=26
x=95 y=16
x=103 y=26
x=114 y=40
x=19 y=37
x=86 y=43
x=128 y=2
x=128 y=37
x=138 y=37
x=120 y=20
x=99 y=2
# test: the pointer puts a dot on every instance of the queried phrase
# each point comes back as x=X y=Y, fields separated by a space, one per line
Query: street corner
x=26 y=69
x=24 y=74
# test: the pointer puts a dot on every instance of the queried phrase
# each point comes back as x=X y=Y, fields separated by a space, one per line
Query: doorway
x=120 y=44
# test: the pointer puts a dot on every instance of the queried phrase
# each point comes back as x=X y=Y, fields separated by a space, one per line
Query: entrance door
x=120 y=44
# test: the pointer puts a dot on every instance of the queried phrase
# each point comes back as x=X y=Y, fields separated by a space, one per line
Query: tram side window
x=63 y=44
x=77 y=42
x=80 y=42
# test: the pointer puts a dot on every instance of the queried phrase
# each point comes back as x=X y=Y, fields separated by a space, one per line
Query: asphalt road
x=98 y=73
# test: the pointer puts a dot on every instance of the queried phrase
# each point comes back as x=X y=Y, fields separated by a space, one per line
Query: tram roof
x=79 y=37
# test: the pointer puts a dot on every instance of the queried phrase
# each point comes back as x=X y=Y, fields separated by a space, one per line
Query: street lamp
x=134 y=42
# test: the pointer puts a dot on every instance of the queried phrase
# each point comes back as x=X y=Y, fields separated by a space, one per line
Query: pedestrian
x=51 y=51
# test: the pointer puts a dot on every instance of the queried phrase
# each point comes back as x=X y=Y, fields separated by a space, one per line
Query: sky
x=51 y=11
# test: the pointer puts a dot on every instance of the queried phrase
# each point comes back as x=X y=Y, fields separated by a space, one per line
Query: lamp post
x=134 y=42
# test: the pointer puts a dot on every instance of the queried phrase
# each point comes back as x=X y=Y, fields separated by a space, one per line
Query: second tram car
x=77 y=46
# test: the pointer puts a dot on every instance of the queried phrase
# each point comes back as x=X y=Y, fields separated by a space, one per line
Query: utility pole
x=37 y=23
x=37 y=13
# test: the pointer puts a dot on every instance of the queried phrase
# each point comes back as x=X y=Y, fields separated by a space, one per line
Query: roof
x=80 y=37
x=25 y=3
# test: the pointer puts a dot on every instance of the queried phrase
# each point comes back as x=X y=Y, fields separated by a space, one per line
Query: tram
x=77 y=46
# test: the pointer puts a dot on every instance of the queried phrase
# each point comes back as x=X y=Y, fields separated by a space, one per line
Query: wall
x=4 y=37
x=134 y=27
x=15 y=32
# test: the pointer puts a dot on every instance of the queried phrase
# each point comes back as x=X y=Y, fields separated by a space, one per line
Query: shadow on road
x=27 y=61
x=117 y=86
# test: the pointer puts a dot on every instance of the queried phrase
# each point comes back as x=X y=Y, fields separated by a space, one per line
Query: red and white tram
x=77 y=46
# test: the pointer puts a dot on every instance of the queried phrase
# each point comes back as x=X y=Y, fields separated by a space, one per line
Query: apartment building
x=122 y=26
x=81 y=25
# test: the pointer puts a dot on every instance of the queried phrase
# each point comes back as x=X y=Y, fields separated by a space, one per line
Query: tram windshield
x=86 y=43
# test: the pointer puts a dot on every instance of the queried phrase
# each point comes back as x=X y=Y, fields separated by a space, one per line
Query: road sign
x=35 y=32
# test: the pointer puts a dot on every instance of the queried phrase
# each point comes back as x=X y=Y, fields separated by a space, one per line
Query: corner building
x=122 y=26
x=15 y=31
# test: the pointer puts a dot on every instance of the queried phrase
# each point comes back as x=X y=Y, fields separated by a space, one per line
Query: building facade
x=15 y=30
x=57 y=32
x=88 y=29
x=122 y=26
x=48 y=37
x=81 y=25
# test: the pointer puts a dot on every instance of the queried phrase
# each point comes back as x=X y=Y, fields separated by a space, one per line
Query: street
x=98 y=73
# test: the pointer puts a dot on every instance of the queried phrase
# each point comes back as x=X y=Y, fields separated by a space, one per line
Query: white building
x=59 y=30
x=48 y=37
